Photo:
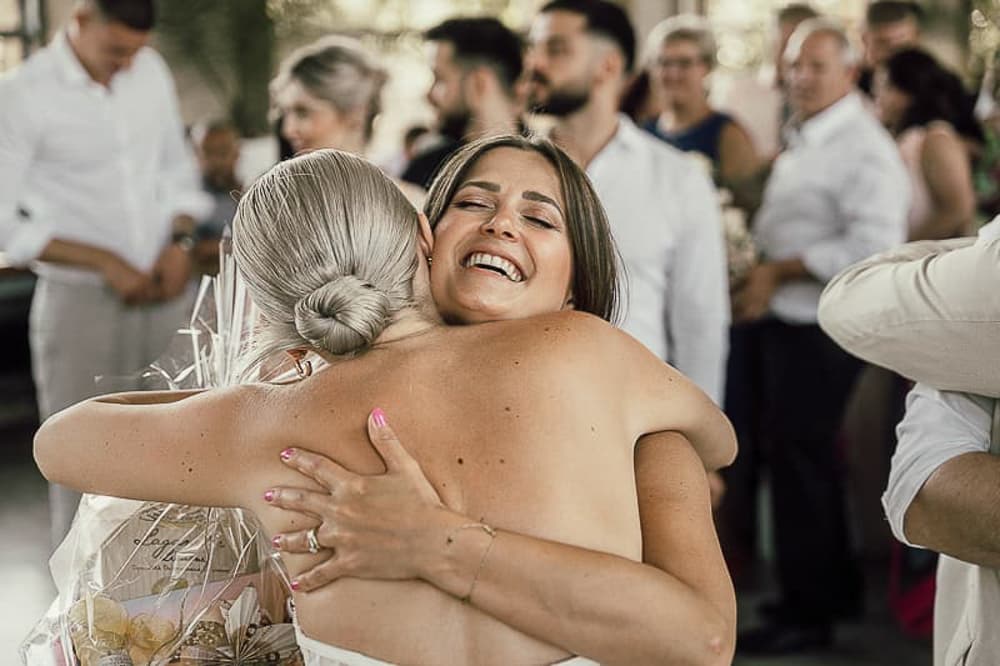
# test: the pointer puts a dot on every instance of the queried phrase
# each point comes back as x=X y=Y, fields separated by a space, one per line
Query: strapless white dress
x=316 y=653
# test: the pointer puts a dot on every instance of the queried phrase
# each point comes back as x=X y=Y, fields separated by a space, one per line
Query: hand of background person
x=753 y=299
x=172 y=272
x=388 y=526
x=132 y=285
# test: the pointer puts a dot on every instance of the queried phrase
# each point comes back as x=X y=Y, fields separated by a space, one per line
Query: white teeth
x=493 y=261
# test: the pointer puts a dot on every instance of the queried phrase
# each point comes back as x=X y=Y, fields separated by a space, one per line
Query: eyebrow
x=530 y=195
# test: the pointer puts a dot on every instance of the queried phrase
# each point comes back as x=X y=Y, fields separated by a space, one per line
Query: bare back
x=526 y=425
x=506 y=430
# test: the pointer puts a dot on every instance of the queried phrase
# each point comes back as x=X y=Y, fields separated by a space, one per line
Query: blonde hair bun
x=344 y=315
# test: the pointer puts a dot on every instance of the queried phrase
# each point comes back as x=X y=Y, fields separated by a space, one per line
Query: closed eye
x=470 y=204
x=540 y=222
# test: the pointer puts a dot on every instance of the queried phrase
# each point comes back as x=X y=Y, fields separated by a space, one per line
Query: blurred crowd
x=731 y=213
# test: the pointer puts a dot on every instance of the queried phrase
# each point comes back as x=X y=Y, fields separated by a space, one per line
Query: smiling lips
x=493 y=263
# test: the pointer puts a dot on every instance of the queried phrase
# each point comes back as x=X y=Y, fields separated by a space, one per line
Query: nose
x=534 y=60
x=500 y=225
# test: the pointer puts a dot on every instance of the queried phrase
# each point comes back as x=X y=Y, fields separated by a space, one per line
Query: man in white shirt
x=663 y=209
x=931 y=312
x=838 y=194
x=98 y=193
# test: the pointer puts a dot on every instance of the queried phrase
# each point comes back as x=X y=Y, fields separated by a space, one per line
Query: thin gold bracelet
x=450 y=539
x=482 y=560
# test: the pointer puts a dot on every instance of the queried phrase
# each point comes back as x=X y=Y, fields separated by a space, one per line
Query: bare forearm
x=957 y=512
x=147 y=397
x=74 y=254
x=602 y=606
x=941 y=224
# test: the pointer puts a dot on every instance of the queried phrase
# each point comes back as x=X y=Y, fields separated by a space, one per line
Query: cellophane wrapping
x=153 y=583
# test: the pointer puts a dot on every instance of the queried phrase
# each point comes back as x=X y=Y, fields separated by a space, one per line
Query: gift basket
x=153 y=583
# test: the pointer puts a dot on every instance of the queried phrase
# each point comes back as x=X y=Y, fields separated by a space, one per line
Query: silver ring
x=313 y=542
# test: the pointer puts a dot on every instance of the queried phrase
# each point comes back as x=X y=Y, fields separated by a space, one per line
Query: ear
x=426 y=238
x=474 y=88
x=82 y=14
x=610 y=65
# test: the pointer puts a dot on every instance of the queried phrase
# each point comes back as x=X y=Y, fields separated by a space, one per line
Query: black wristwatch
x=185 y=239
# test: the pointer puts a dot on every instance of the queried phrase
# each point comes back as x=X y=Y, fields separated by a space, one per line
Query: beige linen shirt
x=928 y=310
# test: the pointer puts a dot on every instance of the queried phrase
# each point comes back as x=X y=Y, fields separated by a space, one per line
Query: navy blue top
x=703 y=137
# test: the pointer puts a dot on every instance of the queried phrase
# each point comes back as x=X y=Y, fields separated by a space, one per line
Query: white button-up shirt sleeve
x=929 y=310
x=22 y=236
x=698 y=305
x=938 y=427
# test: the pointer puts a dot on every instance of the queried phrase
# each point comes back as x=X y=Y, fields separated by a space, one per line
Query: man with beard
x=476 y=63
x=663 y=210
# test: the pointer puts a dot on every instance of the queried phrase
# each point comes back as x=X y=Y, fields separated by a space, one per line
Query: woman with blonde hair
x=327 y=95
x=336 y=259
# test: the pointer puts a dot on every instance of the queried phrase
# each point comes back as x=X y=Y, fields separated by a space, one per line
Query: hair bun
x=344 y=315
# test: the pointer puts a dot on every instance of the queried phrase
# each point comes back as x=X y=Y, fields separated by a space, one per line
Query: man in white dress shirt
x=98 y=193
x=931 y=312
x=838 y=194
x=662 y=207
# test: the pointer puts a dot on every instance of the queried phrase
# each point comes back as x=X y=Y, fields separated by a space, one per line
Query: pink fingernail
x=269 y=496
x=378 y=417
x=287 y=453
x=295 y=585
x=276 y=541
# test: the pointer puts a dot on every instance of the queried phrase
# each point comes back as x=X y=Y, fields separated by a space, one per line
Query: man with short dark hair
x=890 y=25
x=476 y=64
x=663 y=209
x=98 y=193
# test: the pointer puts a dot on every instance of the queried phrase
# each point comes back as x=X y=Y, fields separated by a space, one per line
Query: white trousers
x=86 y=342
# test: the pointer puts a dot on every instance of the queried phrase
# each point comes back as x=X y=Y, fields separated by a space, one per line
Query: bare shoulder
x=571 y=335
x=941 y=136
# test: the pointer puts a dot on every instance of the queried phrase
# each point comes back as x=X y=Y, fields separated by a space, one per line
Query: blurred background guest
x=889 y=25
x=837 y=194
x=217 y=146
x=328 y=95
x=99 y=194
x=758 y=101
x=477 y=63
x=922 y=104
x=681 y=56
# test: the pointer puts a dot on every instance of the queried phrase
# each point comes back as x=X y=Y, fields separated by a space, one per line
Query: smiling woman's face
x=501 y=249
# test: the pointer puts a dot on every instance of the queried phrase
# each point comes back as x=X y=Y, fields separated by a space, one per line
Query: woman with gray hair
x=338 y=263
x=681 y=56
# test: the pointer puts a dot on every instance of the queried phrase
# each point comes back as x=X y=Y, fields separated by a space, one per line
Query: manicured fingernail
x=269 y=496
x=276 y=541
x=378 y=417
x=287 y=453
x=295 y=585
